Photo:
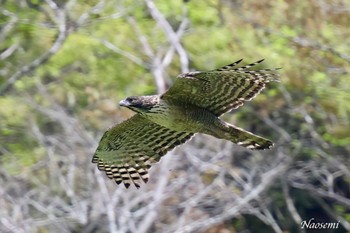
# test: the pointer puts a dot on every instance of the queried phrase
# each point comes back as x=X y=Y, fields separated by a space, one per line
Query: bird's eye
x=129 y=99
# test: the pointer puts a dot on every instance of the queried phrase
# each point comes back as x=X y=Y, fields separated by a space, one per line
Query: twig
x=231 y=211
x=170 y=33
x=62 y=36
x=7 y=27
x=290 y=204
x=124 y=53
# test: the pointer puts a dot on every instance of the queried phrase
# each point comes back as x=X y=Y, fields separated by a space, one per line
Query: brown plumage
x=192 y=105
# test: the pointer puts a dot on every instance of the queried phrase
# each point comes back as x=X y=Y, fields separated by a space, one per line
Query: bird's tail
x=246 y=139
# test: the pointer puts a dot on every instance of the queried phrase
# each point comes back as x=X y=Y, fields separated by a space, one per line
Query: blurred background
x=64 y=66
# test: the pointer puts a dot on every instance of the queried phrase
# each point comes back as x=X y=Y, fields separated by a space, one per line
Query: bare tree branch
x=124 y=53
x=232 y=210
x=62 y=35
x=290 y=204
x=9 y=26
x=170 y=53
x=170 y=33
x=343 y=222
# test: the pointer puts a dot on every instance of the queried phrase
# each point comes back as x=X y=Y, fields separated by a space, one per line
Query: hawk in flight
x=162 y=122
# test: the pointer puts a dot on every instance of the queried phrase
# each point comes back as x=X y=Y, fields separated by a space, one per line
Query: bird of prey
x=192 y=105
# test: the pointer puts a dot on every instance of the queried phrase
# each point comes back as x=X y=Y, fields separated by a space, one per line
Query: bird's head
x=140 y=104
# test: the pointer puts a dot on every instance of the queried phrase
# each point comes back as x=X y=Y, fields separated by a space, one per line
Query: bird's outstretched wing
x=127 y=150
x=220 y=90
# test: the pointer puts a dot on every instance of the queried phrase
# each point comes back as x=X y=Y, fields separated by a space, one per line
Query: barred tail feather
x=248 y=140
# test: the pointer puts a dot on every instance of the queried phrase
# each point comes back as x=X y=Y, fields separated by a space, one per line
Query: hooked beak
x=124 y=103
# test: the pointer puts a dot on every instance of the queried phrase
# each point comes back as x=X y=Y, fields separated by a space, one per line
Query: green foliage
x=86 y=78
x=22 y=147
